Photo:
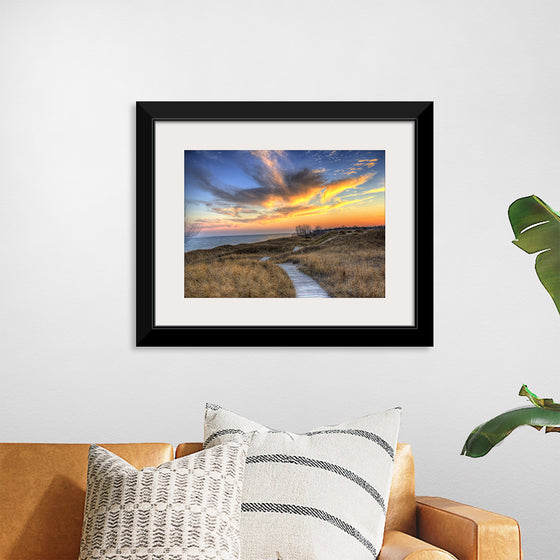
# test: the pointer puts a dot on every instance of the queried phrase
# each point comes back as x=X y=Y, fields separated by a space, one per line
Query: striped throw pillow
x=187 y=509
x=321 y=495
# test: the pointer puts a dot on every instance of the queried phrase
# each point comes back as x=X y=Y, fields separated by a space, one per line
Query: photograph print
x=284 y=224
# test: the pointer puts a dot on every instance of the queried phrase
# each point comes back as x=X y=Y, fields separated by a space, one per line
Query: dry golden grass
x=236 y=278
x=345 y=264
x=273 y=247
x=352 y=266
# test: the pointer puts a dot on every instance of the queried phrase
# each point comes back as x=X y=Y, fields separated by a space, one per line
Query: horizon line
x=291 y=231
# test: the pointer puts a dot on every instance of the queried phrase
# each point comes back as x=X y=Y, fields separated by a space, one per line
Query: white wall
x=71 y=72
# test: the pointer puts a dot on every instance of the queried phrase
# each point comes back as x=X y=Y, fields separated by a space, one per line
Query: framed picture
x=284 y=224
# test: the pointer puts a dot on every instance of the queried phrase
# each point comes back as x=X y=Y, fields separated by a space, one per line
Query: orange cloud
x=373 y=191
x=367 y=162
x=337 y=187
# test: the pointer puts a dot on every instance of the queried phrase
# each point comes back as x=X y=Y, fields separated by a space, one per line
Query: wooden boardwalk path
x=304 y=285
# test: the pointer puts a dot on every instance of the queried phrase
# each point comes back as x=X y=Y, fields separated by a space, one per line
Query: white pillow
x=187 y=509
x=321 y=495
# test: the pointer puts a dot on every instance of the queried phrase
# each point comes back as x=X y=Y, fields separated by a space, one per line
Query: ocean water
x=215 y=241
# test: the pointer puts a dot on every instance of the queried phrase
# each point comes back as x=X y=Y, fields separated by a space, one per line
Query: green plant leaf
x=536 y=227
x=483 y=438
x=537 y=401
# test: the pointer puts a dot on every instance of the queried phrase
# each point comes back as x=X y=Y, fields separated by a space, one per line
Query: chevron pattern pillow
x=187 y=509
x=321 y=495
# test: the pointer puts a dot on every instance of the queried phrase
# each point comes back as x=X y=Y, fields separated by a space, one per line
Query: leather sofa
x=42 y=492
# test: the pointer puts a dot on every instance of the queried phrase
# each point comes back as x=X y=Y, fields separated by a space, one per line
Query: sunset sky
x=240 y=192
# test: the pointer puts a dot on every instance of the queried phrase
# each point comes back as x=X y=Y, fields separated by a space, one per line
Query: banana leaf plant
x=536 y=227
x=543 y=413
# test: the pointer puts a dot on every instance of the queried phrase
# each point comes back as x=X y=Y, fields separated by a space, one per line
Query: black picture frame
x=148 y=113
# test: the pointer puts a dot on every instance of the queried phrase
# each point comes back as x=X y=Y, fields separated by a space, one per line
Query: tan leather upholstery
x=42 y=491
x=467 y=532
x=401 y=510
x=187 y=448
x=400 y=546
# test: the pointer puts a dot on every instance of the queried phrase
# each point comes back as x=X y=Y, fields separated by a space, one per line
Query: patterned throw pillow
x=187 y=509
x=321 y=495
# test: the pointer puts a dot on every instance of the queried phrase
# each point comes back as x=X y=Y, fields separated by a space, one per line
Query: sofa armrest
x=467 y=532
x=401 y=546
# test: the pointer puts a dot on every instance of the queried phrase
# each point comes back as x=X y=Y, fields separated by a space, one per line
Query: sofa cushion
x=42 y=492
x=322 y=494
x=187 y=509
x=401 y=509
